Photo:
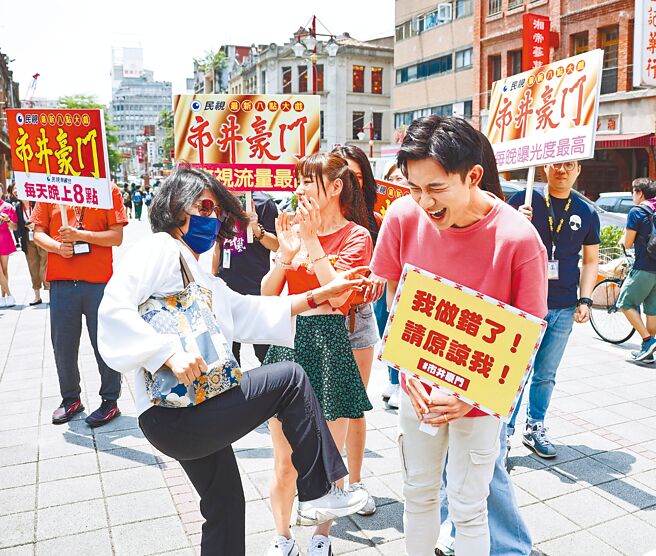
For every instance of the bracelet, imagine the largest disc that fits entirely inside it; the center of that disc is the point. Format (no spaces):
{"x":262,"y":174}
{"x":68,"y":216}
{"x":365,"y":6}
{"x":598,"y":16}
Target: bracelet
{"x":310,"y":299}
{"x":314,"y":261}
{"x":584,"y":301}
{"x":262,"y":231}
{"x":281,"y":264}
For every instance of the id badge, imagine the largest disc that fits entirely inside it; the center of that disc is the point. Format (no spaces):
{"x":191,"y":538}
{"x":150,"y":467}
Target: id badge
{"x":30,"y":235}
{"x":552,"y":270}
{"x":226,"y":258}
{"x":81,"y":248}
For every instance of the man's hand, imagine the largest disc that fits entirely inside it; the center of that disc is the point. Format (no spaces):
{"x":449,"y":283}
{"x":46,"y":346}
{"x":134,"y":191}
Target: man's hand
{"x":526,"y":210}
{"x":71,"y":235}
{"x":65,"y":250}
{"x":582,"y":313}
{"x":186,"y":367}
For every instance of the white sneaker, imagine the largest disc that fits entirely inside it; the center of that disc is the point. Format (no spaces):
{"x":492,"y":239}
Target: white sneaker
{"x":389,"y":390}
{"x":3,"y":303}
{"x":320,"y":546}
{"x":370,"y":506}
{"x":394,"y":400}
{"x":10,"y":301}
{"x":282,"y":546}
{"x":336,"y":503}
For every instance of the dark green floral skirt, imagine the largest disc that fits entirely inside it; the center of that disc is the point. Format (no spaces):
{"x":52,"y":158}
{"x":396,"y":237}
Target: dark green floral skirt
{"x":323,"y":349}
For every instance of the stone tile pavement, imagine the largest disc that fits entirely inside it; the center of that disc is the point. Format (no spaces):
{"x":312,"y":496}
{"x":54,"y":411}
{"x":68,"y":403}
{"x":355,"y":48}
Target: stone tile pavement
{"x":106,"y":491}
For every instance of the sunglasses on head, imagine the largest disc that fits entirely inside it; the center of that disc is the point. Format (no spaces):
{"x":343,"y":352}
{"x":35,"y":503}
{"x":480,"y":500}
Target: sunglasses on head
{"x":206,"y":207}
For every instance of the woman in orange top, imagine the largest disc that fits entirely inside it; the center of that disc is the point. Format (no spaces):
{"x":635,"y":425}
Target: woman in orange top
{"x":325,"y":237}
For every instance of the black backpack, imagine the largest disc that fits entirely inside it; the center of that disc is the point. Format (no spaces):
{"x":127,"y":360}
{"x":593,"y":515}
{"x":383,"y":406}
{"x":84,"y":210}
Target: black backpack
{"x":650,"y":240}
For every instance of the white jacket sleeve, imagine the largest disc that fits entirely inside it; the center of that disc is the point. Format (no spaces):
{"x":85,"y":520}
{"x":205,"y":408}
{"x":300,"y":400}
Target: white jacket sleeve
{"x":260,"y":319}
{"x":126,"y":342}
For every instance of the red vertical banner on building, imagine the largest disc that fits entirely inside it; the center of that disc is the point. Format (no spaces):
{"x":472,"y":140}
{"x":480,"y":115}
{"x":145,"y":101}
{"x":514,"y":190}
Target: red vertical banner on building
{"x":535,"y":41}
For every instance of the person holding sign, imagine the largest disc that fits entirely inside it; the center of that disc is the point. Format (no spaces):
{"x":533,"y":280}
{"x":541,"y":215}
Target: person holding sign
{"x":450,"y":227}
{"x":566,"y":225}
{"x":79,"y":267}
{"x":329,"y":237}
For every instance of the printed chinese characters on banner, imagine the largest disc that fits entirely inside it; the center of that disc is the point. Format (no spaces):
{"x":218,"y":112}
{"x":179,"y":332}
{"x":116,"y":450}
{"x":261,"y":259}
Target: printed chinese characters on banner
{"x":547,"y":114}
{"x":249,"y":142}
{"x":535,"y":41}
{"x":386,"y":194}
{"x":644,"y":44}
{"x":461,"y":341}
{"x":60,"y":156}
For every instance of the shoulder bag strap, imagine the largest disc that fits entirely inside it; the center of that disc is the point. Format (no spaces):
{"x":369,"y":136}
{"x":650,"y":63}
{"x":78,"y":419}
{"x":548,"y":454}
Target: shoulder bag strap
{"x":187,"y":276}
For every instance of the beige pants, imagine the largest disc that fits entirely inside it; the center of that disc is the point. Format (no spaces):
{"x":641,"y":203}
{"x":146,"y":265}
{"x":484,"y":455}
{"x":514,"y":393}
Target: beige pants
{"x":473,"y":446}
{"x":37,"y":262}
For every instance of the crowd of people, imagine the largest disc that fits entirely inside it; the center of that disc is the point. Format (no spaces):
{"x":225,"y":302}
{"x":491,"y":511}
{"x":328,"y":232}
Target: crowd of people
{"x":312,"y":292}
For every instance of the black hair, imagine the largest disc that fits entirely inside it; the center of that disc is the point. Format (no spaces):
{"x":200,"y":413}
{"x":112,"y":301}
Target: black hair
{"x":645,"y":186}
{"x":490,"y":181}
{"x":451,"y":142}
{"x":180,"y":190}
{"x":369,"y":188}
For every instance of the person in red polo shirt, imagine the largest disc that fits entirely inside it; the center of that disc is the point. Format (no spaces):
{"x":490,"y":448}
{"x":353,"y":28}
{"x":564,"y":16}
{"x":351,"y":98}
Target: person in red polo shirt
{"x":79,"y":267}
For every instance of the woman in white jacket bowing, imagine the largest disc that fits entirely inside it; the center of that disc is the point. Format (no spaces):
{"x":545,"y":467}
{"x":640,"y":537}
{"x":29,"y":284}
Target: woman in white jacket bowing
{"x":190,"y":210}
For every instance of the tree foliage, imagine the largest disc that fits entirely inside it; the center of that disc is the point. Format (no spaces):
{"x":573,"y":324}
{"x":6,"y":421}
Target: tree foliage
{"x":166,"y":123}
{"x":212,"y":60}
{"x":111,"y":131}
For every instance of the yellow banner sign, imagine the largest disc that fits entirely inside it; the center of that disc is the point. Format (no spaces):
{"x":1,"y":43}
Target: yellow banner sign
{"x":461,"y":341}
{"x":250,"y":142}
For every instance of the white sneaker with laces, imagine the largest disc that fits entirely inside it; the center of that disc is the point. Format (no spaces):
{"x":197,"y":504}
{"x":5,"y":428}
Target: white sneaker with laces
{"x":10,"y":301}
{"x":389,"y":390}
{"x":370,"y":506}
{"x":394,"y":400}
{"x":320,"y":546}
{"x":336,"y":503}
{"x":3,"y":302}
{"x":282,"y":546}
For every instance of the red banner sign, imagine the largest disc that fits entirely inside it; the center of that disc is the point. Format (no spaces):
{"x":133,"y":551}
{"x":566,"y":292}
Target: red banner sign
{"x":387,"y":193}
{"x":536,"y":44}
{"x":60,"y":156}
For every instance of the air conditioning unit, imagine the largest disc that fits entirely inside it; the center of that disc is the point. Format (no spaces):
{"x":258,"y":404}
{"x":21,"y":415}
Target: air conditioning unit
{"x":445,"y":12}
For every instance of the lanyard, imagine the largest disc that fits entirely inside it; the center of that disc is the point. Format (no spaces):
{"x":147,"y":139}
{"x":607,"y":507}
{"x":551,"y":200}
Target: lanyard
{"x":79,"y":217}
{"x":551,"y":217}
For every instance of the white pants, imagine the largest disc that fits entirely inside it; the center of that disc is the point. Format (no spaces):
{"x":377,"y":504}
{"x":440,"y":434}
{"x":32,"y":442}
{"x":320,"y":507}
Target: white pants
{"x":473,"y":446}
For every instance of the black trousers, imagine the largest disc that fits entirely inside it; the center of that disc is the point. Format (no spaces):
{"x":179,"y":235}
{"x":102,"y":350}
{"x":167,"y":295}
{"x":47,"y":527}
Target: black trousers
{"x":260,"y":351}
{"x":200,"y":439}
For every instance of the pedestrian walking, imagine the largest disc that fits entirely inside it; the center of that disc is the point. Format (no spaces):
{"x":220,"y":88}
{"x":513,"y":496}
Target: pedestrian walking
{"x":449,"y":226}
{"x":567,"y":225}
{"x":191,"y":208}
{"x":79,"y":267}
{"x":361,"y":322}
{"x":8,"y":224}
{"x":326,"y":236}
{"x":37,"y":258}
{"x":639,"y":288}
{"x":242,"y":265}
{"x":127,"y":200}
{"x":137,"y":201}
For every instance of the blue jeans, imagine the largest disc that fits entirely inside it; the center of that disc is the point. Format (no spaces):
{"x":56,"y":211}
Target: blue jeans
{"x":547,"y":360}
{"x":381,"y":312}
{"x":509,"y":535}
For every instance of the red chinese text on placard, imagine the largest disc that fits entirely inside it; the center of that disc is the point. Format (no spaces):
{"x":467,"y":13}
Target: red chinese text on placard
{"x":535,"y":35}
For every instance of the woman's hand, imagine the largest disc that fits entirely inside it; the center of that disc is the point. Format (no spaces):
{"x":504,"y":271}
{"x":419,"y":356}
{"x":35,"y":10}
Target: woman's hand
{"x":375,"y":291}
{"x":309,"y":217}
{"x":434,"y":409}
{"x":186,"y":367}
{"x":290,"y":243}
{"x":349,"y":280}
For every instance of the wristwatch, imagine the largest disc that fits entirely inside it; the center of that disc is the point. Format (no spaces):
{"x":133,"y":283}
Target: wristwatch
{"x":584,"y":301}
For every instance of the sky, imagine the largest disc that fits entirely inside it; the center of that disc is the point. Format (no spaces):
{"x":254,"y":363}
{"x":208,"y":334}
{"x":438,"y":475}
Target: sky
{"x":69,"y":42}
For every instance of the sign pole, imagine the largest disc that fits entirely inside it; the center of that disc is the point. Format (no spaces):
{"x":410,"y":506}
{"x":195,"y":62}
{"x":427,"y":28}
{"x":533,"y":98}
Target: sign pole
{"x":249,"y":207}
{"x":64,"y":215}
{"x":529,"y":185}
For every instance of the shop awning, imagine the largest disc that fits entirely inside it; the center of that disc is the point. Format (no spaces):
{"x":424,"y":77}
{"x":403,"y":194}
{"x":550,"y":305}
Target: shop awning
{"x":624,"y":141}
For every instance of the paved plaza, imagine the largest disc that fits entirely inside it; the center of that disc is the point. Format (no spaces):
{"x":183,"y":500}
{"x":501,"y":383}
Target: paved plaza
{"x":70,"y":489}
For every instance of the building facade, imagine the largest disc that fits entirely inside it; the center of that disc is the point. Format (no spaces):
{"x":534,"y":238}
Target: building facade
{"x":433,"y":60}
{"x":627,"y":116}
{"x":217,"y":80}
{"x":355,"y":86}
{"x":9,"y":98}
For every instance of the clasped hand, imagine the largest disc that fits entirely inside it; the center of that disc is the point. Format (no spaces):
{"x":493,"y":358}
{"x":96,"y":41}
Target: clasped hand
{"x":435,"y":409}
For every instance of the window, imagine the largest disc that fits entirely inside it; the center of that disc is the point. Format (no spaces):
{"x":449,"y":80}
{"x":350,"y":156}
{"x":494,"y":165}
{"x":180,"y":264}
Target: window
{"x":429,"y":68}
{"x":579,"y":43}
{"x":515,"y":3}
{"x":302,"y":79}
{"x":358,"y":79}
{"x":358,"y":125}
{"x":514,"y":62}
{"x":443,"y":110}
{"x":464,"y":58}
{"x":263,"y":83}
{"x":319,"y":77}
{"x":378,"y":125}
{"x":287,"y":80}
{"x":494,"y":69}
{"x":463,"y":8}
{"x":609,"y":40}
{"x":493,"y":7}
{"x":468,"y":109}
{"x":321,"y":124}
{"x":377,"y":81}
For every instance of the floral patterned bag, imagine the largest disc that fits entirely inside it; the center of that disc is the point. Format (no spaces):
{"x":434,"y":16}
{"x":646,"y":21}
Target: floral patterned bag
{"x":189,"y":315}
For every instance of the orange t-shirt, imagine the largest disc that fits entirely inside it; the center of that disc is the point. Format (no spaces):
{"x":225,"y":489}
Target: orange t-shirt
{"x":95,"y":266}
{"x":348,"y":247}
